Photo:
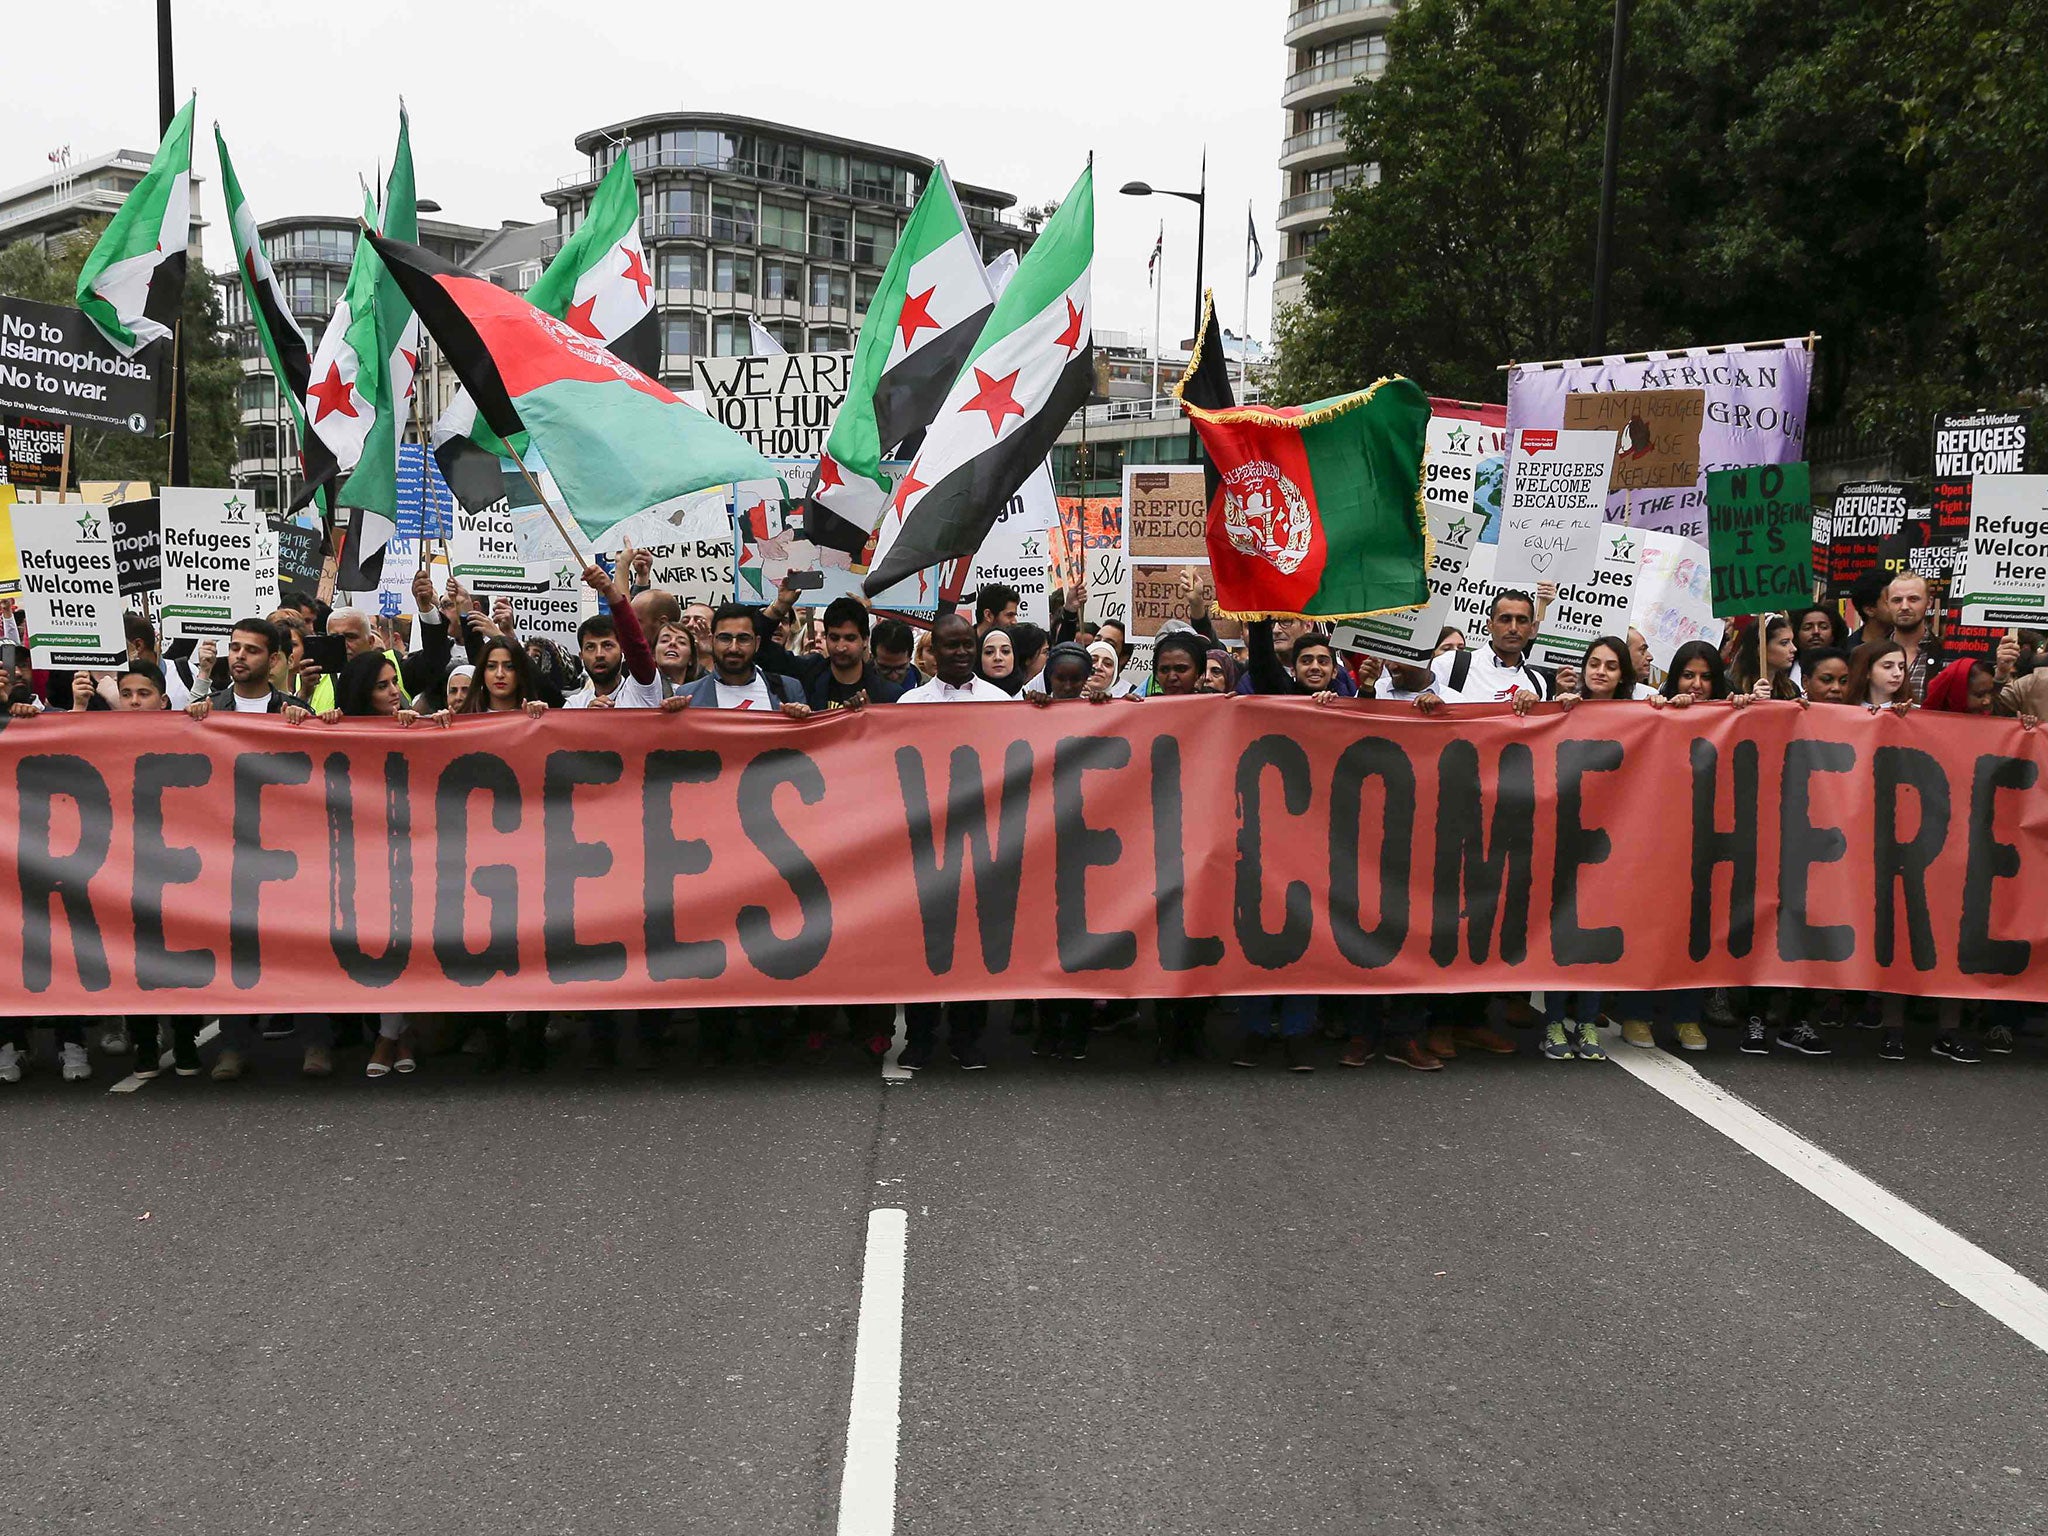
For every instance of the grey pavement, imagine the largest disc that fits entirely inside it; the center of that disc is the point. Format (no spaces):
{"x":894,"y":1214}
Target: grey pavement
{"x":1512,"y":1296}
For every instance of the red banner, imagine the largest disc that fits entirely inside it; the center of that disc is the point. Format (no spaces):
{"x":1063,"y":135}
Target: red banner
{"x":1178,"y":847}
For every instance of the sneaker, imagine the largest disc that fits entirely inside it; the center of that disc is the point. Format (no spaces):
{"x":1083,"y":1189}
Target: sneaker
{"x":1637,"y":1032}
{"x":319,"y":1062}
{"x":1691,"y":1037}
{"x":1589,"y":1042}
{"x":1893,"y":1046}
{"x":1410,"y":1053}
{"x":1804,"y":1039}
{"x":1998,"y":1039}
{"x":1557,"y":1044}
{"x":1251,"y":1051}
{"x":968,"y":1058}
{"x":10,"y":1063}
{"x":184,"y":1056}
{"x":914,"y":1058}
{"x":77,"y":1065}
{"x":1954,"y":1047}
{"x":1756,"y":1040}
{"x":227,"y":1066}
{"x":1291,"y":1053}
{"x":1358,"y":1052}
{"x":115,"y":1041}
{"x":1720,"y":1008}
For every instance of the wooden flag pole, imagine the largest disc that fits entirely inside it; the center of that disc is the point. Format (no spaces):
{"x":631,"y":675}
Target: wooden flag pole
{"x":527,"y":475}
{"x":64,"y":464}
{"x":171,"y":454}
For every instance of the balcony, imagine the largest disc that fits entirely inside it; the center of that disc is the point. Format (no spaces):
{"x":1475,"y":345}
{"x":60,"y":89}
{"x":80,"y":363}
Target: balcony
{"x":1293,"y":267}
{"x":1305,"y":206}
{"x":1327,"y":82}
{"x":1322,"y":20}
{"x":1313,"y":146}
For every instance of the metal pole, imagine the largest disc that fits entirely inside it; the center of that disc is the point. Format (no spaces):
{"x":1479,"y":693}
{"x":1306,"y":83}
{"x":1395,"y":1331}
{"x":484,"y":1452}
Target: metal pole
{"x":166,"y":93}
{"x":1603,"y":246}
{"x":179,"y":470}
{"x":1201,"y":245}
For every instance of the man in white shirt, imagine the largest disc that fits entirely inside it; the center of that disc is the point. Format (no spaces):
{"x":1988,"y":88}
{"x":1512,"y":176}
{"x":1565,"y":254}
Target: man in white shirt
{"x":618,"y":666}
{"x":1499,"y":672}
{"x":735,"y":681}
{"x":955,"y":649}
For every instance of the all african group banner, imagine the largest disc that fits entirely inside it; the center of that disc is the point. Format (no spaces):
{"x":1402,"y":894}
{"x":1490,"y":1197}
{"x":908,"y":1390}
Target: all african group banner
{"x":1186,"y":847}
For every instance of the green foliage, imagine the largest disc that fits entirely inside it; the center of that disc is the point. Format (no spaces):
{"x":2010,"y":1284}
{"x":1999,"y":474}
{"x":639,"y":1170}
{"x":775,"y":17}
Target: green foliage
{"x":1873,"y":170}
{"x":212,"y":381}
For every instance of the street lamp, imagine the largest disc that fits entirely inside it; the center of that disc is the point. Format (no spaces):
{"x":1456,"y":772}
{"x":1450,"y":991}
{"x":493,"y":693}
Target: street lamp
{"x":1201,"y":201}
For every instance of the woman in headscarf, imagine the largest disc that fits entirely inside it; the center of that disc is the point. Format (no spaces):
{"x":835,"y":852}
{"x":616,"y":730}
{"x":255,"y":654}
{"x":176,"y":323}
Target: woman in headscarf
{"x":1221,"y":674}
{"x":998,"y":663}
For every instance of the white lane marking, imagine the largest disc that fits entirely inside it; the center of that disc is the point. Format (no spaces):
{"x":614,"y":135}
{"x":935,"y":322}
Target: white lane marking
{"x":131,"y":1082}
{"x":867,"y":1487}
{"x":891,"y":1073}
{"x":1952,"y":1259}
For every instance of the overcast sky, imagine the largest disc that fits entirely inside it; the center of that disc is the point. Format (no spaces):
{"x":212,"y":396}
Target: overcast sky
{"x":1010,"y":96}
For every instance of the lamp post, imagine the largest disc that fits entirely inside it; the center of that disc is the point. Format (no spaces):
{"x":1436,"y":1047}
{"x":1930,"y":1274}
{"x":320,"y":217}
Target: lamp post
{"x":1610,"y":164}
{"x":1200,"y":199}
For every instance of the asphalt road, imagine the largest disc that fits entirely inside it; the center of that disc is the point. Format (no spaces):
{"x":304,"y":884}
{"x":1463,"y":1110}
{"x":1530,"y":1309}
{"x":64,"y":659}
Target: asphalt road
{"x":1513,"y":1296}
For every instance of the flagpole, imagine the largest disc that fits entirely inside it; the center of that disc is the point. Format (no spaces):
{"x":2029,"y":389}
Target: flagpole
{"x":1244,"y":345}
{"x":546,"y":505}
{"x":1158,"y":295}
{"x":171,"y":475}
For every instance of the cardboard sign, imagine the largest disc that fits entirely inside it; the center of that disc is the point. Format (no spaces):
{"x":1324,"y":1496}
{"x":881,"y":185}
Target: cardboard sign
{"x":2004,"y":577}
{"x":1168,"y":510}
{"x":1553,"y":504}
{"x":1865,"y":514}
{"x":32,"y":453}
{"x":1760,"y":538}
{"x":1658,"y":432}
{"x":1596,"y":607}
{"x":219,"y":562}
{"x":782,"y":404}
{"x":1674,"y":600}
{"x":1965,"y":445}
{"x":70,"y":588}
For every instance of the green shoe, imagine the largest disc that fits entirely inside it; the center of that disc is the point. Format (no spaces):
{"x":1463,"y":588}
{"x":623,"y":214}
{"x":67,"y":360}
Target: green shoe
{"x":1589,"y":1042}
{"x":1557,"y":1043}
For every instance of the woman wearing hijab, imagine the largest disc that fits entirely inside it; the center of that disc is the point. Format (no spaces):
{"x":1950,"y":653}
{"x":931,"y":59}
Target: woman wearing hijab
{"x":1221,"y":673}
{"x":998,"y":662}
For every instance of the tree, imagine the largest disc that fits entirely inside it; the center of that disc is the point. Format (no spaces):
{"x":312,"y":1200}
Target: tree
{"x":212,"y":378}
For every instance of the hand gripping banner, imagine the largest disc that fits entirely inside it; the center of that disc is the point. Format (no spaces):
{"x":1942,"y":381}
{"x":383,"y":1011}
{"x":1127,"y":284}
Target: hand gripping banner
{"x":1179,"y":847}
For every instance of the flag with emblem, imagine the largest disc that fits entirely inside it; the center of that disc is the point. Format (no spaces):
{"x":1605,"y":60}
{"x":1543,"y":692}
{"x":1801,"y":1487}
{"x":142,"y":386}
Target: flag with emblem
{"x":1316,"y":511}
{"x":615,"y":440}
{"x":597,"y":284}
{"x":1031,"y":368}
{"x":284,"y":343}
{"x":132,"y":285}
{"x":927,"y":314}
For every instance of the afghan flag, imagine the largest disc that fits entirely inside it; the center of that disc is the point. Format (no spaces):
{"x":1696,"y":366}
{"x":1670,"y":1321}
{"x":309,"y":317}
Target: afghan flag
{"x":290,"y":355}
{"x":1318,"y":513}
{"x":132,"y":285}
{"x":615,"y":440}
{"x":1031,"y":368}
{"x":598,"y":284}
{"x":926,"y":316}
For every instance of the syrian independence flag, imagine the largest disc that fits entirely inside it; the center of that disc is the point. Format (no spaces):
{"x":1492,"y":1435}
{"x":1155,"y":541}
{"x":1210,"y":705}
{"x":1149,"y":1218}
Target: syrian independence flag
{"x":599,"y":285}
{"x":343,"y":377}
{"x":1031,"y":369}
{"x":132,"y":285}
{"x":1319,"y":512}
{"x":284,"y":343}
{"x":616,"y":441}
{"x":925,"y":318}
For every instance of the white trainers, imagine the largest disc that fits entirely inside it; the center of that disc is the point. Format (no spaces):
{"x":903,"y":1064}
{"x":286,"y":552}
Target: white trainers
{"x":10,"y":1063}
{"x":77,"y":1065}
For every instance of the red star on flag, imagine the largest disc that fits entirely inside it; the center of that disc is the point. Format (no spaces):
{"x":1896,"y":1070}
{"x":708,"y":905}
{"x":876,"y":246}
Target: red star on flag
{"x":636,"y":274}
{"x":331,"y":394}
{"x":916,"y":316}
{"x":578,"y":318}
{"x":1070,"y":338}
{"x":828,"y":473}
{"x":997,"y":399}
{"x":412,"y":359}
{"x":908,"y":487}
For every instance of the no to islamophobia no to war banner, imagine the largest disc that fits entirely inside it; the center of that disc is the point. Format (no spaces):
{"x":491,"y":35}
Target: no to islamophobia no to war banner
{"x":631,"y":858}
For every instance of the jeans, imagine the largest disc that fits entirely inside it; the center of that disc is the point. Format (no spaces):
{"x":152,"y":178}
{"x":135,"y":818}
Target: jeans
{"x":964,"y":1024}
{"x":1290,"y":1017}
{"x":1584,"y":1009}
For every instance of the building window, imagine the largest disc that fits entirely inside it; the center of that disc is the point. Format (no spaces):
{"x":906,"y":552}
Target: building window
{"x":781,"y":279}
{"x":782,"y":226}
{"x":828,"y":286}
{"x":831,"y":236}
{"x":878,"y":181}
{"x":679,"y":211}
{"x":529,"y":274}
{"x":731,"y":274}
{"x":257,"y":443}
{"x":730,"y":336}
{"x":829,"y":338}
{"x":257,"y":394}
{"x":874,"y":240}
{"x":788,"y":333}
{"x":777,"y":161}
{"x":682,"y":269}
{"x":864,"y":286}
{"x":732,"y":219}
{"x":824,"y":170}
{"x":683,"y":335}
{"x":336,"y":245}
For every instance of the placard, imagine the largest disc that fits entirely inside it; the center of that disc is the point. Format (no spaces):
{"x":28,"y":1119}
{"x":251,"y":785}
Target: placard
{"x":2004,"y":576}
{"x":783,"y":404}
{"x":31,"y":453}
{"x":300,"y":557}
{"x":1657,"y":432}
{"x":1760,"y":538}
{"x":1017,"y":551}
{"x":1168,"y":513}
{"x":219,"y":562}
{"x":55,"y":364}
{"x":1552,"y":507}
{"x":138,"y":544}
{"x":70,"y":592}
{"x":1965,"y":445}
{"x":694,"y":562}
{"x":549,"y":598}
{"x":1674,"y":596}
{"x":770,"y":545}
{"x":1865,"y":514}
{"x":1596,"y":606}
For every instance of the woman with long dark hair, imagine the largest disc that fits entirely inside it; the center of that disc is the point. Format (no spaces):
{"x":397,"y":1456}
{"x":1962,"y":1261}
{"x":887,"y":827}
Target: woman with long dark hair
{"x":505,"y":681}
{"x":1877,"y":677}
{"x":1766,"y":659}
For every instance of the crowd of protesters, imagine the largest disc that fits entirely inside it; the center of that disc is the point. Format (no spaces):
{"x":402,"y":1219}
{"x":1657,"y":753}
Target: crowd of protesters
{"x":647,"y":650}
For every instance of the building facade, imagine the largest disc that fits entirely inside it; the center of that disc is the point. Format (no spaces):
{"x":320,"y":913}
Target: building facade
{"x":745,"y":219}
{"x":75,"y":194}
{"x":1332,"y":46}
{"x":311,"y":255}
